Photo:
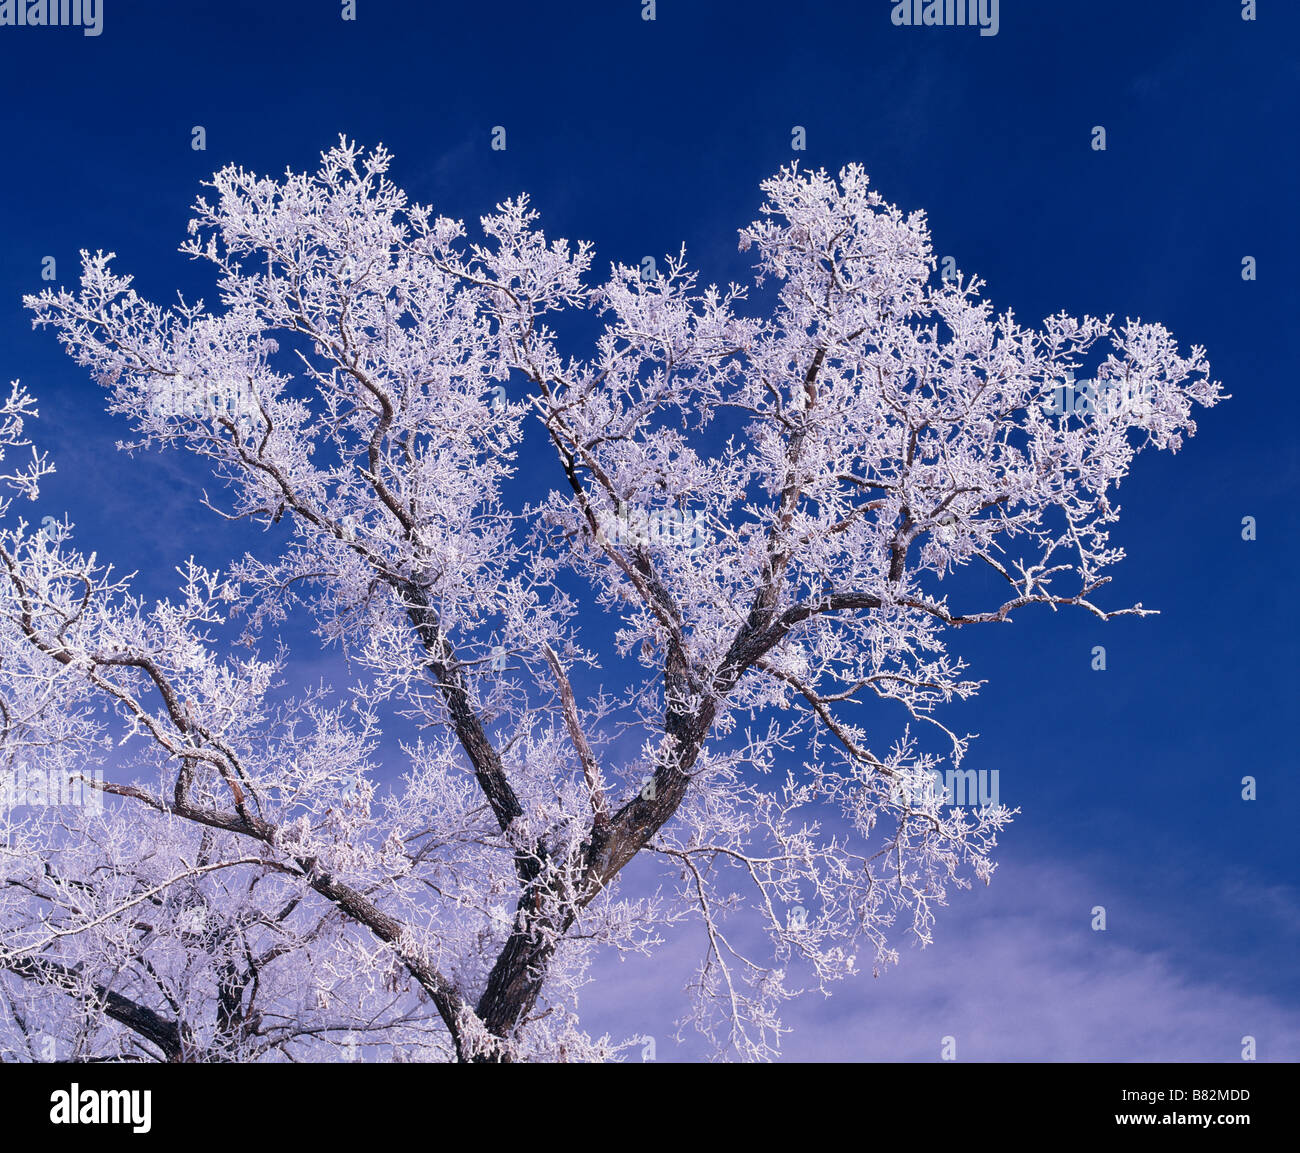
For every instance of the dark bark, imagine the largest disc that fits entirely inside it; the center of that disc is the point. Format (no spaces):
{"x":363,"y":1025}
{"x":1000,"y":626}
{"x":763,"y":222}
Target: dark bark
{"x":167,"y":1035}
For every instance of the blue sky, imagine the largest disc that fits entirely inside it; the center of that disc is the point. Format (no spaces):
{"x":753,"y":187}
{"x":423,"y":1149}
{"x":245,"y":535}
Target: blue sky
{"x":643,"y":135}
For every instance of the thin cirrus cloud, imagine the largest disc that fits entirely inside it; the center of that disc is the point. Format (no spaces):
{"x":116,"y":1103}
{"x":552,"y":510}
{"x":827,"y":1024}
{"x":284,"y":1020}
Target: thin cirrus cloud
{"x":1015,"y":973}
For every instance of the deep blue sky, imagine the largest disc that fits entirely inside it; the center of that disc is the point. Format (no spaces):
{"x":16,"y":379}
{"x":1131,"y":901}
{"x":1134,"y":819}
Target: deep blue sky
{"x":640,"y":136}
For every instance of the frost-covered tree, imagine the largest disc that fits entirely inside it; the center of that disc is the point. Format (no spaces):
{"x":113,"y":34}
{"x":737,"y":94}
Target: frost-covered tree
{"x":649,"y":600}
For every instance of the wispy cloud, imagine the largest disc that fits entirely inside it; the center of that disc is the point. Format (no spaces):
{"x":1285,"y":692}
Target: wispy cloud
{"x":1015,"y":973}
